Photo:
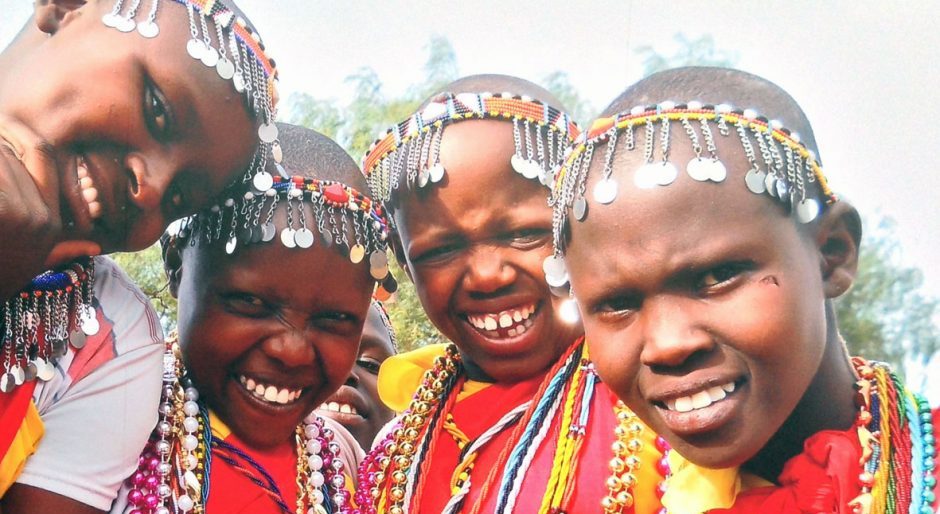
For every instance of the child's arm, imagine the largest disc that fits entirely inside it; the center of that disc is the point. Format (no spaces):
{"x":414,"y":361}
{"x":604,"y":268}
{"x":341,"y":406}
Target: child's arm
{"x":31,"y":235}
{"x":23,"y":498}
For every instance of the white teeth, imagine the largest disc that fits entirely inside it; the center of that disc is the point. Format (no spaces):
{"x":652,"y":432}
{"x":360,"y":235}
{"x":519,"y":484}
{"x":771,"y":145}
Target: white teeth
{"x":522,"y":328}
{"x":282,"y":396}
{"x":505,"y":320}
{"x":513,"y":320}
{"x":511,"y":332}
{"x":490,"y":323}
{"x":250,"y":384}
{"x":700,"y":399}
{"x":517,"y":316}
{"x":270,"y":394}
{"x":86,"y":181}
{"x":259,"y":390}
{"x":716,"y":393}
{"x":345,"y":409}
{"x":683,"y":404}
{"x":89,"y":192}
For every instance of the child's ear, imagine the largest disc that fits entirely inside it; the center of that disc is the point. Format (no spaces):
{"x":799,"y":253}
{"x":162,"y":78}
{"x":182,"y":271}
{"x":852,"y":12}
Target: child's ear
{"x":399,"y":253}
{"x":50,"y":13}
{"x":838,"y":237}
{"x":173,"y":267}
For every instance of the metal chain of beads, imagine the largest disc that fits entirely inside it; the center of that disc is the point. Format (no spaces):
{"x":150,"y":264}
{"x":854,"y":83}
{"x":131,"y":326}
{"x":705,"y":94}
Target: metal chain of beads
{"x":382,"y":485}
{"x":59,"y":304}
{"x":625,"y":461}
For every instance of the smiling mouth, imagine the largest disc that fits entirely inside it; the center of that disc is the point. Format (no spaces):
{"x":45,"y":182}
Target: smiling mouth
{"x":700,"y":399}
{"x":504,"y":324}
{"x":88,"y":190}
{"x":337,"y":407}
{"x":269,"y":393}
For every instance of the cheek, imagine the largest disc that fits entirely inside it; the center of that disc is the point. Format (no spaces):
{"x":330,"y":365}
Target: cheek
{"x":615,"y":359}
{"x":337,"y":357}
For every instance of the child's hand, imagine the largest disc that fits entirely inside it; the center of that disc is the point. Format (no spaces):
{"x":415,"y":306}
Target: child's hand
{"x":31,"y":236}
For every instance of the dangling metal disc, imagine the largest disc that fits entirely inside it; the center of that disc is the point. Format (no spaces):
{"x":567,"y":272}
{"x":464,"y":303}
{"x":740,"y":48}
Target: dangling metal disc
{"x":262,"y":181}
{"x":195,"y":48}
{"x":327,"y":238}
{"x":556,"y":273}
{"x":605,"y":191}
{"x":210,"y":57}
{"x":45,"y":370}
{"x":231,"y":244}
{"x":754,"y":179}
{"x":437,"y":172}
{"x":698,"y":169}
{"x":148,"y":29}
{"x":770,"y":184}
{"x":89,"y":321}
{"x":580,"y":209}
{"x":357,"y":253}
{"x":303,"y":238}
{"x":7,"y":382}
{"x":666,"y":174}
{"x":267,"y":132}
{"x":268,"y":231}
{"x":110,"y":20}
{"x":646,"y":176}
{"x":78,"y":339}
{"x":378,"y":265}
{"x":807,"y":210}
{"x":287,"y":238}
{"x":225,"y":68}
{"x":31,"y":370}
{"x":19,"y":376}
{"x":126,"y":24}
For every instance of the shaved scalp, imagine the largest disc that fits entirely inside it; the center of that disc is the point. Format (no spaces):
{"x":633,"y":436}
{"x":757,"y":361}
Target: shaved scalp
{"x":718,"y":85}
{"x":493,"y":83}
{"x":309,"y":153}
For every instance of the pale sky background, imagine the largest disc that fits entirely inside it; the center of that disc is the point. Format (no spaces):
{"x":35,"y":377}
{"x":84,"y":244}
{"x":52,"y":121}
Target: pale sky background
{"x":865,"y":72}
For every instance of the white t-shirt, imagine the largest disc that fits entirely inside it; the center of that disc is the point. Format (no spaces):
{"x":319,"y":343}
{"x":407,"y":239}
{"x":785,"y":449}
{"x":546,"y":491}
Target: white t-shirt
{"x":101,"y":405}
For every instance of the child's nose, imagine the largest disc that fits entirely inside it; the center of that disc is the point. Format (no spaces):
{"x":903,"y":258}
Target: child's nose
{"x":671,"y":333}
{"x":148,"y":180}
{"x":291,"y":347}
{"x":487,"y":271}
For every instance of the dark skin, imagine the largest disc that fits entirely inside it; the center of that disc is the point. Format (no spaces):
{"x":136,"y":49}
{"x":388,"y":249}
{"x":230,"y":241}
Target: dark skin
{"x":156,"y":133}
{"x":468,"y":258}
{"x":706,"y":285}
{"x":361,"y":388}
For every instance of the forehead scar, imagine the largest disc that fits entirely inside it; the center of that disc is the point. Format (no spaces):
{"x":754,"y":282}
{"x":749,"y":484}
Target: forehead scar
{"x":770,"y":280}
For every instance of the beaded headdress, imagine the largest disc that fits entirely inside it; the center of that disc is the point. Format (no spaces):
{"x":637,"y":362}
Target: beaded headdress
{"x":781,"y":167}
{"x":237,"y":55}
{"x":340,"y":213}
{"x":412,"y":147}
{"x":39,"y":322}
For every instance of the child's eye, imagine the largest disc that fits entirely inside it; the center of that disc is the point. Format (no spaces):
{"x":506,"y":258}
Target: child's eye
{"x":619,"y":305}
{"x":156,"y":112}
{"x":721,"y":275}
{"x":245,"y":304}
{"x":370,"y":365}
{"x":528,"y":238}
{"x":436,"y":255}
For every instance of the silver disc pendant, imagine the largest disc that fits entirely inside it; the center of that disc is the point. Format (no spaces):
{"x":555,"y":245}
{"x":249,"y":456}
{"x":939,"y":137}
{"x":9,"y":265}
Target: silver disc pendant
{"x":754,"y":179}
{"x":580,"y":209}
{"x":518,"y":163}
{"x":770,"y":184}
{"x":437,"y":172}
{"x":267,"y":132}
{"x":7,"y":382}
{"x":239,"y":82}
{"x":605,"y":191}
{"x":357,"y":253}
{"x":807,"y":210}
{"x":718,"y":171}
{"x":287,"y":238}
{"x":698,"y":169}
{"x":126,"y":24}
{"x":148,"y":29}
{"x":256,"y":234}
{"x":645,"y":176}
{"x":225,"y":69}
{"x":19,"y":376}
{"x":783,"y":190}
{"x":303,"y":238}
{"x":423,"y":177}
{"x":89,"y":321}
{"x":262,"y":181}
{"x":110,"y":20}
{"x":195,"y":48}
{"x":59,"y":348}
{"x":210,"y":57}
{"x":45,"y":370}
{"x":327,"y":238}
{"x":268,"y":232}
{"x":230,"y":245}
{"x":556,"y":273}
{"x":278,"y":155}
{"x":532,"y":170}
{"x":666,"y":174}
{"x":78,"y":339}
{"x":378,"y":265}
{"x":31,"y":370}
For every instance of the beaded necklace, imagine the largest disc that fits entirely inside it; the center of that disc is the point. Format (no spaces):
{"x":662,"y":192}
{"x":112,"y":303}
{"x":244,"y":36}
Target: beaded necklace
{"x":174,"y":469}
{"x":37,"y":325}
{"x":390,"y":474}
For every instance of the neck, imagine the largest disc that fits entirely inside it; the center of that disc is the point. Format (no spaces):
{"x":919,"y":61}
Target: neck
{"x":828,"y":404}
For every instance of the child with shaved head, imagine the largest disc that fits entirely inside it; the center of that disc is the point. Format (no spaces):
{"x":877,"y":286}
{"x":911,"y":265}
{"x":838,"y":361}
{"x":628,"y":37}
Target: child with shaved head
{"x":705,"y":247}
{"x":273,"y":293}
{"x":509,"y":417}
{"x":115,"y":118}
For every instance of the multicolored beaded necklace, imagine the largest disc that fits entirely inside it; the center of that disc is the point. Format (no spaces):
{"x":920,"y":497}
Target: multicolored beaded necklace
{"x":390,"y":475}
{"x":38,"y":323}
{"x":173,"y":472}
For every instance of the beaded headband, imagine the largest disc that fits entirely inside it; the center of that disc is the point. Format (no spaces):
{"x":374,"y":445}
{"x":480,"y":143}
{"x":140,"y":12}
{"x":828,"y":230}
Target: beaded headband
{"x":337,"y":208}
{"x":36,"y":323}
{"x":412,"y":148}
{"x":784,"y":171}
{"x":239,"y":56}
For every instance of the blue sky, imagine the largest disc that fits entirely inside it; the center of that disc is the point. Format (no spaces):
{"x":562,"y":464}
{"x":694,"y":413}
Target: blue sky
{"x":865,"y":72}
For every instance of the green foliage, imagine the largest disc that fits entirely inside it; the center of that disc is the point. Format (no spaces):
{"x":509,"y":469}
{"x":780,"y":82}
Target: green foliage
{"x":559,"y":84}
{"x":146,"y":269}
{"x":691,"y":52}
{"x":884,"y":316}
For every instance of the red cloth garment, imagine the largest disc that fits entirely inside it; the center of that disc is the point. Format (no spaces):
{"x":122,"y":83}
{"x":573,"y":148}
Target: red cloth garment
{"x":230,"y":491}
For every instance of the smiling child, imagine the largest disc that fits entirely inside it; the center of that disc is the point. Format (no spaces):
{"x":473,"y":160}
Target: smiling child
{"x":273,"y":292}
{"x":705,"y":249}
{"x":115,"y":117}
{"x":509,"y":416}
